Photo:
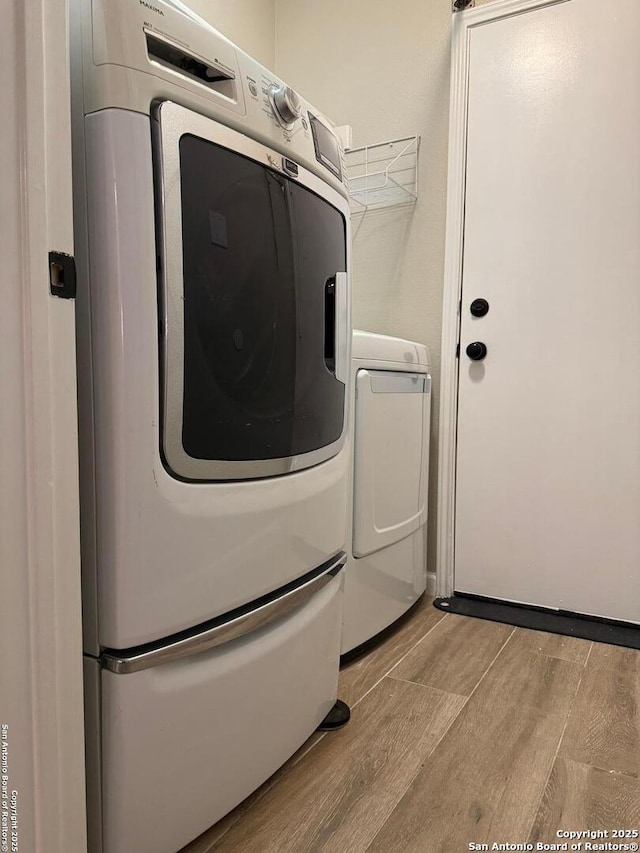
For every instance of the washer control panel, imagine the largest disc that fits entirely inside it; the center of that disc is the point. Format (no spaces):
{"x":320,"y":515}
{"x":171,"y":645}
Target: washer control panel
{"x":307,"y":135}
{"x":172,"y":54}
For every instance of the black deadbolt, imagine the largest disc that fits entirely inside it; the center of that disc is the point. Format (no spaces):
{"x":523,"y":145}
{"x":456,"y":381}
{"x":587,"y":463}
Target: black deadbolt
{"x":479,"y":307}
{"x":476,"y":351}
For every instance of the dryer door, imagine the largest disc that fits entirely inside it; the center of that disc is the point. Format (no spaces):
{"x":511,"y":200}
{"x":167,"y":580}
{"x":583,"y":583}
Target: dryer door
{"x":255,"y":297}
{"x":391,"y":457}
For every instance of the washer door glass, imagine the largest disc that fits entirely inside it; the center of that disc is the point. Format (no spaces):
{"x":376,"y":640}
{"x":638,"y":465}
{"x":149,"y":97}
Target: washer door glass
{"x":259,"y":254}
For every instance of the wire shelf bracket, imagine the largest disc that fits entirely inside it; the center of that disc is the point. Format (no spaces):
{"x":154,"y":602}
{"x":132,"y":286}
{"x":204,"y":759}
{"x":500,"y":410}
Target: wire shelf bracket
{"x":383,"y":175}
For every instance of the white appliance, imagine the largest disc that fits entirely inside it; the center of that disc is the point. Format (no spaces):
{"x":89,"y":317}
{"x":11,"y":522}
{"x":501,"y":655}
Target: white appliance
{"x":387,"y":565}
{"x":212,"y":234}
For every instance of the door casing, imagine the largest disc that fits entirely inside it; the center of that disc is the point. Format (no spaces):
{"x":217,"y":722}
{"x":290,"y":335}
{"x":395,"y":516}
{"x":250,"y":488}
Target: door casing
{"x":40,"y":613}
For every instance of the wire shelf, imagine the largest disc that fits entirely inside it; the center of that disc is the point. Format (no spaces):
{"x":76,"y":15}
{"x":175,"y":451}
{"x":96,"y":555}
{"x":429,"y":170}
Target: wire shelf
{"x":383,"y":175}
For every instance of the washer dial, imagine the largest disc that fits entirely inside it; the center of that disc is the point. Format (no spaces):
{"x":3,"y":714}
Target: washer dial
{"x":286,"y":105}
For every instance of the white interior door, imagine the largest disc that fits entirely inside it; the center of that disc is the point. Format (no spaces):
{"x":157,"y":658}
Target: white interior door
{"x":548,"y":457}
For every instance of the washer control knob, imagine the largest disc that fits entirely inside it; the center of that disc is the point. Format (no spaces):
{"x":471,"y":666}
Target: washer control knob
{"x":286,"y":104}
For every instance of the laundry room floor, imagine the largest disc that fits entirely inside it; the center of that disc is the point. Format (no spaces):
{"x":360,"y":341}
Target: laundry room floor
{"x":462,"y":731}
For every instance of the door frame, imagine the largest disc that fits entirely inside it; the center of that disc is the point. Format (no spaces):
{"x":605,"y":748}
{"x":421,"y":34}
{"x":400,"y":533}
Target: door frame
{"x":40,"y":614}
{"x":462,"y":24}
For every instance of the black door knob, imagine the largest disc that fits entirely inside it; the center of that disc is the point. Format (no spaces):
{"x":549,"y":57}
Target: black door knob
{"x":479,"y":307}
{"x":476,"y":351}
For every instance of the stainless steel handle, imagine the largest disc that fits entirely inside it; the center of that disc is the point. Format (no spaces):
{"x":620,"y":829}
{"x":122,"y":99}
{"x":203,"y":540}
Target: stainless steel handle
{"x":343,"y":328}
{"x":233,"y":629}
{"x":399,"y":382}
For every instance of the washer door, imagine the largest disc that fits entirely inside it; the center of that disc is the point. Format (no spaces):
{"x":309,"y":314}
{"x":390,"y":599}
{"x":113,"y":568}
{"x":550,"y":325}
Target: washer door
{"x":391,"y":457}
{"x":255,"y":295}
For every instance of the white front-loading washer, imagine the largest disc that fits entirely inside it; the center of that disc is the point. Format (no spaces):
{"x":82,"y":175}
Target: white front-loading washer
{"x":212,"y":241}
{"x":386,"y":570}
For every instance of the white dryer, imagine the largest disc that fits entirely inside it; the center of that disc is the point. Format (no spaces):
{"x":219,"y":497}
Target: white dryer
{"x":212,"y":242}
{"x":387,"y":567}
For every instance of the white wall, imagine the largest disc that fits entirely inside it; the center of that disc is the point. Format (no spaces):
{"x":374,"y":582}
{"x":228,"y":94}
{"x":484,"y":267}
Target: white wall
{"x":384,"y":69}
{"x":248,"y":23}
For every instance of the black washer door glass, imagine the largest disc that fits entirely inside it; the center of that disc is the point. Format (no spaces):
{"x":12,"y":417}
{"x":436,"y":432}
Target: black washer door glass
{"x":319,"y":247}
{"x":257,"y":252}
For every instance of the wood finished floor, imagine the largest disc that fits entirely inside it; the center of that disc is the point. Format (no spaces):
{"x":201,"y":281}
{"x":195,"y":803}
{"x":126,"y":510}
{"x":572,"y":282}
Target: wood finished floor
{"x":462,"y":731}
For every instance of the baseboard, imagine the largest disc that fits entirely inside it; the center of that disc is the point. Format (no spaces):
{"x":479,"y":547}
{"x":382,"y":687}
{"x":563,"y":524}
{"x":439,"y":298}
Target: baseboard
{"x":431,"y":583}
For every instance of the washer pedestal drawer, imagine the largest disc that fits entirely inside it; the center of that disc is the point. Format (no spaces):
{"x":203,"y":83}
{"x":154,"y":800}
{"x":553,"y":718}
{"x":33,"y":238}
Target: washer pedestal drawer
{"x":184,"y":742}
